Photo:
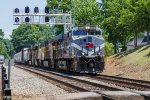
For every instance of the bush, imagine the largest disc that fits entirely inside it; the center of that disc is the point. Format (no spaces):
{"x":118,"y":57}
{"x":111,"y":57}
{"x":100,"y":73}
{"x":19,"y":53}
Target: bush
{"x":109,"y":49}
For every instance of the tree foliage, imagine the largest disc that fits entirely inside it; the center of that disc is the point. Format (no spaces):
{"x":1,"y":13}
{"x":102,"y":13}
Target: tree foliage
{"x":28,"y":35}
{"x":87,"y":12}
{"x":9,"y":46}
{"x":64,"y":5}
{"x":123,"y":19}
{"x":3,"y":48}
{"x":1,"y":34}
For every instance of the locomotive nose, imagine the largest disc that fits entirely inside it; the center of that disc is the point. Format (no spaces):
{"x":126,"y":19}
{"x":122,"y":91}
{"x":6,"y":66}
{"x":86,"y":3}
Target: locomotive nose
{"x":90,"y":45}
{"x":88,"y":42}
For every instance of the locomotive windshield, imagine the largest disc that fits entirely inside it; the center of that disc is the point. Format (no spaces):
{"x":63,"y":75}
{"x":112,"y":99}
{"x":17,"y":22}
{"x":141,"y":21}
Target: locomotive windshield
{"x":86,"y":32}
{"x":93,"y":32}
{"x":80,"y":32}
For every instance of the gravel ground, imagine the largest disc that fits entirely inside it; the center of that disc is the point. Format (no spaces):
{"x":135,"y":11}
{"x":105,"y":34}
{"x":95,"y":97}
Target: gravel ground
{"x":27,"y":85}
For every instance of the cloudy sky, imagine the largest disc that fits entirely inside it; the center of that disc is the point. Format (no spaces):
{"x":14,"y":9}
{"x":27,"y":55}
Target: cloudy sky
{"x":6,"y":12}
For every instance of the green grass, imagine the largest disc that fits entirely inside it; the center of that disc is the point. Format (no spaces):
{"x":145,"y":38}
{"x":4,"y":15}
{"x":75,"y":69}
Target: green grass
{"x":139,"y":57}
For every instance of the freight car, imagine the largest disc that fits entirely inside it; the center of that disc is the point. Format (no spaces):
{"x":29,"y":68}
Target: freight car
{"x":2,"y":58}
{"x":80,"y":50}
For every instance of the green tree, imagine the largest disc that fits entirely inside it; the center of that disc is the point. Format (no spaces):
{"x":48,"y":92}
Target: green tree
{"x":9,"y":47}
{"x":142,"y":16}
{"x":87,"y":12}
{"x":122,"y":19}
{"x":64,"y":5}
{"x":28,"y":35}
{"x":113,"y":11}
{"x":1,"y":34}
{"x":3,"y":49}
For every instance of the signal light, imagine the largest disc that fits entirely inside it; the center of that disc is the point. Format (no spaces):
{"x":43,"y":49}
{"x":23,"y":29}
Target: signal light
{"x":16,"y":19}
{"x":36,"y":10}
{"x":16,"y":10}
{"x":27,"y":19}
{"x":47,"y":9}
{"x":27,"y":9}
{"x":46,"y":19}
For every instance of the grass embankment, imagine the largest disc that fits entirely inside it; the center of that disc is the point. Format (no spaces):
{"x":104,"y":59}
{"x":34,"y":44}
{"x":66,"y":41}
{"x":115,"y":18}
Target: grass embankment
{"x":133,"y":64}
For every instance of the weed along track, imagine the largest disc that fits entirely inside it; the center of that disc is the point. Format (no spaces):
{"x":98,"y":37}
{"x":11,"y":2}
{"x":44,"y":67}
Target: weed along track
{"x":74,"y":85}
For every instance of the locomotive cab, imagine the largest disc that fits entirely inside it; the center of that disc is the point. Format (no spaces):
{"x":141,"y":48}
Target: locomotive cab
{"x":90,"y":49}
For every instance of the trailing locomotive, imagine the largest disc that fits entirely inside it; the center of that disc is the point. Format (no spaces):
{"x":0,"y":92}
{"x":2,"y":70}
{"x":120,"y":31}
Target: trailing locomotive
{"x":80,"y":50}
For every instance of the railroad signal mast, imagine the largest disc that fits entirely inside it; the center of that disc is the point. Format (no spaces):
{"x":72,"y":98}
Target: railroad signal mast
{"x":46,"y":16}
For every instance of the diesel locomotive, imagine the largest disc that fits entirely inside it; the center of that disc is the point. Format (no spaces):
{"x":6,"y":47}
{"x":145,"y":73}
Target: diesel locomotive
{"x":80,"y":50}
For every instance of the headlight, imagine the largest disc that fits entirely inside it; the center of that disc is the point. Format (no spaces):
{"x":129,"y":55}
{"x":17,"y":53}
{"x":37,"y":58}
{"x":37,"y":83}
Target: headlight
{"x":83,"y":53}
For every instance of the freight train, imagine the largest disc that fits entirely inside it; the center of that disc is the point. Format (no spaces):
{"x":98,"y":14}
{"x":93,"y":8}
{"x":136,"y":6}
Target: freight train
{"x":80,"y":50}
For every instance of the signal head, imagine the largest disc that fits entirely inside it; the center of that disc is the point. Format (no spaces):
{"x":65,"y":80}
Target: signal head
{"x":46,"y":19}
{"x":47,"y":9}
{"x":36,"y":10}
{"x":17,"y":19}
{"x":27,"y":9}
{"x":16,"y":10}
{"x":27,"y":19}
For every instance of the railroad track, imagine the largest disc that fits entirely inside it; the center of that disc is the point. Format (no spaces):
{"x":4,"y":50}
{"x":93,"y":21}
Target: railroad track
{"x":76,"y":85}
{"x":127,"y":83}
{"x":132,"y":85}
{"x":84,"y":85}
{"x":124,"y":82}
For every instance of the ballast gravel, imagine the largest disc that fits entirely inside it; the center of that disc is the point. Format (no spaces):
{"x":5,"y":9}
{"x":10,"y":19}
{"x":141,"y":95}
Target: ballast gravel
{"x":27,"y":85}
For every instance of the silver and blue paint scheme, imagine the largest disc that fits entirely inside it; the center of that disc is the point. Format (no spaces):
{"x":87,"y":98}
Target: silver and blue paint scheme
{"x":81,"y":50}
{"x":88,"y":45}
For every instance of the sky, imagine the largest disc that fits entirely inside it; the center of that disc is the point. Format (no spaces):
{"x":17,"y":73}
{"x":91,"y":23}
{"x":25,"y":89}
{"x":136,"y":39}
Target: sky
{"x":98,"y":0}
{"x":6,"y":12}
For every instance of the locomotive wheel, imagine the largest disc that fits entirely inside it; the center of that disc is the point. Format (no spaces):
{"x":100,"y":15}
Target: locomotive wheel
{"x":42,"y":63}
{"x":49,"y":63}
{"x":68,"y":65}
{"x":38,"y":62}
{"x":74,"y":65}
{"x":56,"y":64}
